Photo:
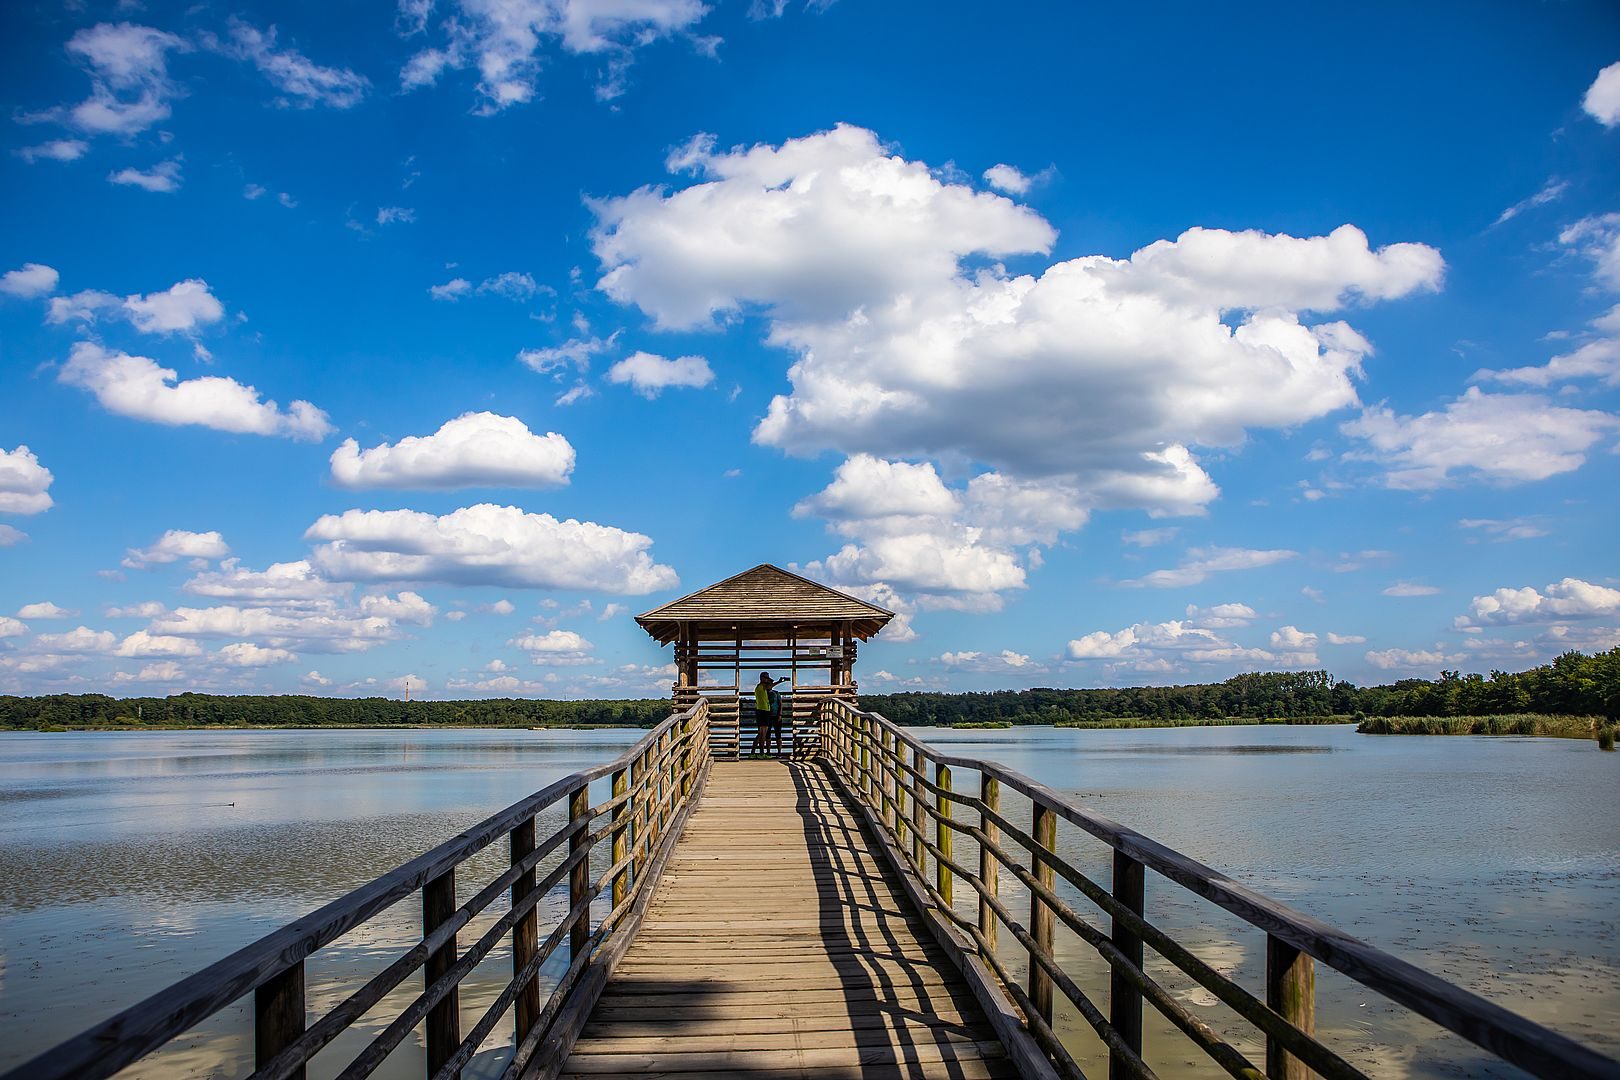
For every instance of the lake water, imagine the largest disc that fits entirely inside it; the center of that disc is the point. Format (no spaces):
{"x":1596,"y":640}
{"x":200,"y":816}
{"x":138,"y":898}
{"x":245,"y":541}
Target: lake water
{"x":129,"y":860}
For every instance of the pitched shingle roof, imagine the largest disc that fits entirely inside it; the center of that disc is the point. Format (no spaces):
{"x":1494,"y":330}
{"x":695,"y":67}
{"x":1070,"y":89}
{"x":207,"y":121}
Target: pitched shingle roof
{"x":766,"y":594}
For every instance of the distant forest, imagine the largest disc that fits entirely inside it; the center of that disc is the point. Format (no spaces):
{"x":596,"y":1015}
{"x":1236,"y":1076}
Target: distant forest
{"x":1572,"y":685}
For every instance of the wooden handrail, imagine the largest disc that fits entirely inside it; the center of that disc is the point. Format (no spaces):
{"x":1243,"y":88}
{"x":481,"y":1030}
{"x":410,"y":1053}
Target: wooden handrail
{"x":868,"y":754}
{"x":654,"y":785}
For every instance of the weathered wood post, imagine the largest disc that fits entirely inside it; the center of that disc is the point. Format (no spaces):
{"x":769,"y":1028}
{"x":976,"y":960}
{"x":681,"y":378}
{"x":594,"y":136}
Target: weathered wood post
{"x":621,"y":831}
{"x":1291,"y":991}
{"x":1125,"y":1000}
{"x":444,"y":1019}
{"x":863,"y":735}
{"x":942,"y":832}
{"x":919,"y":816}
{"x":638,"y":815}
{"x":278,"y":1016}
{"x":579,"y":877}
{"x":989,"y":866}
{"x":1040,"y":916}
{"x":887,"y":775}
{"x":525,"y":932}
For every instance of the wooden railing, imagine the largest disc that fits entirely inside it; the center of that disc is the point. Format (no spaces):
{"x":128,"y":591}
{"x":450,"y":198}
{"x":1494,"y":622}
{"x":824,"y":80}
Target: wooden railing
{"x":652,"y":788}
{"x":908,"y":793}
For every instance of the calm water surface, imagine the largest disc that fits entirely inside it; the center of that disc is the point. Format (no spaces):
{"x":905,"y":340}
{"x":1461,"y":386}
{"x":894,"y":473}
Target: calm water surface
{"x":129,"y":860}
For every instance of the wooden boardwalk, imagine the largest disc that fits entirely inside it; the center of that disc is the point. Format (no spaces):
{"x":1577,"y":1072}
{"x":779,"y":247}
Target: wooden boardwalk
{"x":777,"y":945}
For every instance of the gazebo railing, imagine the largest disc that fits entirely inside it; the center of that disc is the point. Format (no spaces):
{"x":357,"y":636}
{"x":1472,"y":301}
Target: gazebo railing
{"x":906,"y":791}
{"x":653,"y":787}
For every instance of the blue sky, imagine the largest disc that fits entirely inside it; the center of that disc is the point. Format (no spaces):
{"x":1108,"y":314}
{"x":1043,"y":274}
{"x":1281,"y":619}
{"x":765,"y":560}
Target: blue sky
{"x":347,"y":344}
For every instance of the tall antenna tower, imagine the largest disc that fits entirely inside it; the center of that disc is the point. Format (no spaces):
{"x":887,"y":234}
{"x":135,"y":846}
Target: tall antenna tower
{"x":407,"y":688}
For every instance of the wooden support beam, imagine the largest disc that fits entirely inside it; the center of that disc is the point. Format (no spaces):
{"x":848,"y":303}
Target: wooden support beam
{"x":525,"y":933}
{"x":443,"y":1028}
{"x":1290,"y":991}
{"x":1040,"y":916}
{"x":1124,"y":999}
{"x":278,"y":1016}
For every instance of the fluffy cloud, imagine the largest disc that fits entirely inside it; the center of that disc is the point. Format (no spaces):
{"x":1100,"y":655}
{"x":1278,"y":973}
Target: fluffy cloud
{"x":142,"y":645}
{"x":163,"y":177}
{"x":1004,"y":661}
{"x":1504,"y":529}
{"x":504,"y":39}
{"x":1221,"y":616}
{"x":10,"y":627}
{"x":407,"y":607}
{"x":1503,"y":438}
{"x":1570,"y":598}
{"x":556,"y":647}
{"x":1101,"y":372}
{"x":1199,"y":563}
{"x":280,"y":583}
{"x":870,"y":488}
{"x":247,"y":654}
{"x":1598,"y":358}
{"x":1292,"y":639}
{"x":29,"y":281}
{"x":575,"y":353}
{"x":510,"y":285}
{"x":301,"y":82}
{"x":147,"y":609}
{"x":182,"y":308}
{"x":78,"y":640}
{"x":1008,"y":178}
{"x":1598,"y":239}
{"x":1412,"y":659}
{"x":651,"y":374}
{"x":138,"y":387}
{"x":10,"y":536}
{"x":322,"y":629}
{"x":177,"y":544}
{"x":55,"y":150}
{"x":1602,"y":100}
{"x":23,"y":483}
{"x":485,"y":545}
{"x":1143,"y":638}
{"x":478,"y":449}
{"x":948,"y":548}
{"x":130,"y":89}
{"x":44,"y":610}
{"x":1345,"y":639}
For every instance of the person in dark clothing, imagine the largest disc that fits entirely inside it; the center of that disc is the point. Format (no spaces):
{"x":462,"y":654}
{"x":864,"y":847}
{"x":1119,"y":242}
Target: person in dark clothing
{"x":767,"y":714}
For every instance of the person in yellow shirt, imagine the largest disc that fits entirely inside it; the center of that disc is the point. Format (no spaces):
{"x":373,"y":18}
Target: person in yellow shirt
{"x":767,"y":714}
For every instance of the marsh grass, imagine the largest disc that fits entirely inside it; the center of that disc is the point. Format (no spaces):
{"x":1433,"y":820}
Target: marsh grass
{"x":1229,"y":721}
{"x":1539,"y":724}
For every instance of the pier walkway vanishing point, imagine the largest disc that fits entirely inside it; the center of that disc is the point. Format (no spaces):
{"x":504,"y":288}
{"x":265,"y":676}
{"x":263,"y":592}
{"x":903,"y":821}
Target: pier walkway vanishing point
{"x":874,"y":908}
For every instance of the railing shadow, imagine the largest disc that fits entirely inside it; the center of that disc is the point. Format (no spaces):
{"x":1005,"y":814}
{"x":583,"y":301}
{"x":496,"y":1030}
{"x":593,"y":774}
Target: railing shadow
{"x":877,"y":946}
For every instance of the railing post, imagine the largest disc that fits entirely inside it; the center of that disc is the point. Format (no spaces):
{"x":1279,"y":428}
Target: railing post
{"x":888,"y":775}
{"x":621,"y":828}
{"x":919,"y":817}
{"x":638,"y":814}
{"x":579,"y":878}
{"x":1040,"y":916}
{"x":942,"y":833}
{"x":686,"y":757}
{"x":989,"y":865}
{"x":278,"y":1016}
{"x":525,"y":933}
{"x":1125,"y":1000}
{"x":444,"y":1019}
{"x":1290,"y":991}
{"x":864,"y":737}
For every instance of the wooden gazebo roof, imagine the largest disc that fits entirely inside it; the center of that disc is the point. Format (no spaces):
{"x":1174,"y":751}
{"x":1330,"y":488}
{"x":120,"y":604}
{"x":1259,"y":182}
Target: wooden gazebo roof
{"x":762,"y":598}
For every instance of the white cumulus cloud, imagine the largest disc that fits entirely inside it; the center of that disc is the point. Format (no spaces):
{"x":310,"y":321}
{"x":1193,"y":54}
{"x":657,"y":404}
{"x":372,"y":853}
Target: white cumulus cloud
{"x":1571,"y":598}
{"x":1602,"y":100}
{"x":555,"y":647}
{"x":177,"y":544}
{"x":485,"y":545}
{"x":1502,"y":438}
{"x":650,"y":374}
{"x":44,"y":610}
{"x":138,"y":387}
{"x":29,"y":281}
{"x":24,"y":483}
{"x":164,"y":177}
{"x":480,"y":449}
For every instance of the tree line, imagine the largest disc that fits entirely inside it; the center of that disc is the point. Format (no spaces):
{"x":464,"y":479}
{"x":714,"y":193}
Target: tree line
{"x":1572,"y":685}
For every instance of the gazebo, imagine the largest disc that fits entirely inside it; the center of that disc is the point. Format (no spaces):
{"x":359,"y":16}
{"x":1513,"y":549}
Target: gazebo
{"x":764,"y":619}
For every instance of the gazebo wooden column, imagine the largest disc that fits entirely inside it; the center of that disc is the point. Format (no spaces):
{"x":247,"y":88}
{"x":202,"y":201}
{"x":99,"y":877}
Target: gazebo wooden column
{"x":763,"y":620}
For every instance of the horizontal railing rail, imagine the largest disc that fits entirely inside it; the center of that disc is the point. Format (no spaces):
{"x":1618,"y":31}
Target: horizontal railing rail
{"x":906,"y":789}
{"x":652,"y":787}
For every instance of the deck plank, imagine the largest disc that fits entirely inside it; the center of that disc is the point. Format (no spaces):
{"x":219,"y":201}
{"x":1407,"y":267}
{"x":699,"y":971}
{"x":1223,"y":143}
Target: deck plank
{"x":777,"y":945}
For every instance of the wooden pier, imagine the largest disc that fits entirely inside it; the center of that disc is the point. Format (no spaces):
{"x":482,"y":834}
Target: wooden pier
{"x":879,"y":909}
